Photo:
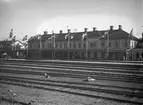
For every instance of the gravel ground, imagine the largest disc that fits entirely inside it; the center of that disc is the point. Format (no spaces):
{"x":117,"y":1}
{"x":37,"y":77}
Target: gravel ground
{"x":41,"y":97}
{"x":7,"y":103}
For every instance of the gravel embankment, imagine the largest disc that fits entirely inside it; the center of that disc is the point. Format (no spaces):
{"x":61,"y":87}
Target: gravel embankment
{"x":41,"y":97}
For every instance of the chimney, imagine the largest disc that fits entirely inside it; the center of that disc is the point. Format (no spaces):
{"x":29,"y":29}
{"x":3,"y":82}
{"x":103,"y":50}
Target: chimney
{"x":94,"y":29}
{"x":45,"y":32}
{"x":111,"y":28}
{"x":60,"y":31}
{"x":120,"y":27}
{"x":85,"y":29}
{"x":69,"y":30}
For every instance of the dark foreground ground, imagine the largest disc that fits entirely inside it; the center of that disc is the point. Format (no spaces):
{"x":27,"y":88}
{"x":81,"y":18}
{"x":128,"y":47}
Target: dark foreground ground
{"x":41,"y":97}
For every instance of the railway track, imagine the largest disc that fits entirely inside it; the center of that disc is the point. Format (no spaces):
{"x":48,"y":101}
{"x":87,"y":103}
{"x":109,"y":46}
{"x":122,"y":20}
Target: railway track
{"x":75,"y":74}
{"x":87,"y":64}
{"x":96,"y":68}
{"x":75,"y":71}
{"x":124,"y":94}
{"x":113,"y":72}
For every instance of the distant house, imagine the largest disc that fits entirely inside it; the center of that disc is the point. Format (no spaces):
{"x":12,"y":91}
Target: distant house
{"x":19,"y":48}
{"x":5,"y":47}
{"x":137,"y":52}
{"x":14,"y":49}
{"x":18,"y":45}
{"x":113,"y":44}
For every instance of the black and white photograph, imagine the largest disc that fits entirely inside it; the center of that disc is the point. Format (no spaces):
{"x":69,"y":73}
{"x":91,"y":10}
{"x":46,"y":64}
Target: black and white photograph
{"x":71,"y":52}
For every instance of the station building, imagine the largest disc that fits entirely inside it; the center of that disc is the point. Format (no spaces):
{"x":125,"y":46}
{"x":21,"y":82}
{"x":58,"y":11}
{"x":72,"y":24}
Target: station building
{"x":112,"y":44}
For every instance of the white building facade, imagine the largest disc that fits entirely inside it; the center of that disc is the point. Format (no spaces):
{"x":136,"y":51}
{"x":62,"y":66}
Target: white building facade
{"x":113,"y":44}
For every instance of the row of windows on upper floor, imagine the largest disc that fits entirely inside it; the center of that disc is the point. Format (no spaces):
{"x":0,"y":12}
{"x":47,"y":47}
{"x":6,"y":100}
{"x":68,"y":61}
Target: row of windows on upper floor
{"x":77,"y":45}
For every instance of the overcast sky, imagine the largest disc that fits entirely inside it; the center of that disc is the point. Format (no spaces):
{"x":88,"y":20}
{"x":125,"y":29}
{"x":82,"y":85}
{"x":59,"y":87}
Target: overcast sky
{"x":29,"y":17}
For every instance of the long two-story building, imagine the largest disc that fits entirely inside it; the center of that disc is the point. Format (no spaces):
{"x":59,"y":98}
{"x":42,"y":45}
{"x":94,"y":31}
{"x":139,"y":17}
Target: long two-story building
{"x":112,"y":44}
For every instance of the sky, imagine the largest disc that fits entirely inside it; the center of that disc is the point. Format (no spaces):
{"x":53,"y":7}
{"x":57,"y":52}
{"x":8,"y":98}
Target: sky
{"x":31,"y":17}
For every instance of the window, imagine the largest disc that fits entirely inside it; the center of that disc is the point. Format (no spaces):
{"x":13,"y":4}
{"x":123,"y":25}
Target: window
{"x":94,"y":44}
{"x":116,"y":44}
{"x":95,"y":54}
{"x":132,"y":44}
{"x":50,"y":46}
{"x":102,"y":55}
{"x":110,"y":54}
{"x":126,"y":44}
{"x":74,"y":45}
{"x":109,"y":44}
{"x":89,"y":54}
{"x":76,"y":54}
{"x":91,"y":45}
{"x":79,"y":45}
{"x":70,"y":45}
{"x":65,"y":45}
{"x":84,"y":45}
{"x":60,"y":45}
{"x":30,"y":45}
{"x":56,"y":45}
{"x":82,"y":54}
{"x":43,"y":45}
{"x":34,"y":45}
{"x":102,"y":44}
{"x":137,"y":55}
{"x":38,"y":45}
{"x":47,"y":45}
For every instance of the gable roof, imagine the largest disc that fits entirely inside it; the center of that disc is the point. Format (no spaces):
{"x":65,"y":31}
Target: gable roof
{"x":33,"y":38}
{"x":114,"y":34}
{"x":78,"y":35}
{"x":119,"y":34}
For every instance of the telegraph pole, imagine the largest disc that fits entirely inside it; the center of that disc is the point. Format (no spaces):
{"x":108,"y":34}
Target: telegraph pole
{"x":27,"y":50}
{"x":68,"y":38}
{"x":86,"y":47}
{"x":86,"y":43}
{"x":39,"y":37}
{"x":53,"y":41}
{"x":107,"y":44}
